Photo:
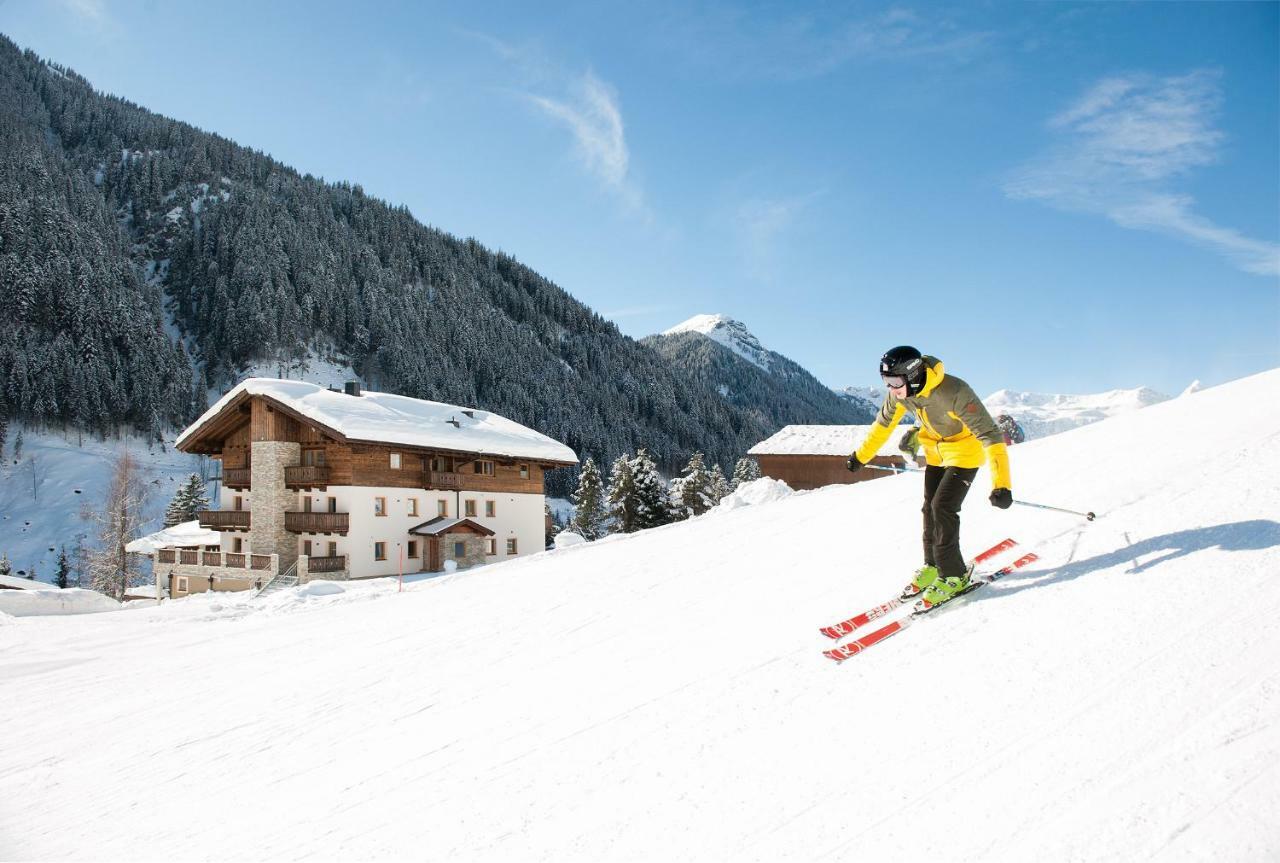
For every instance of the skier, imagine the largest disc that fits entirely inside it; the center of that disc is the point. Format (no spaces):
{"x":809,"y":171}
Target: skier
{"x":955,"y":429}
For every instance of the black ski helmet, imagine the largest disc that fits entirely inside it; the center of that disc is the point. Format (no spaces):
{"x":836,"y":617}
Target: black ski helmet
{"x":904,"y":362}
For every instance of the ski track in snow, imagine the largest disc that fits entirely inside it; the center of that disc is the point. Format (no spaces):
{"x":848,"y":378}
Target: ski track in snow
{"x":663,"y":696}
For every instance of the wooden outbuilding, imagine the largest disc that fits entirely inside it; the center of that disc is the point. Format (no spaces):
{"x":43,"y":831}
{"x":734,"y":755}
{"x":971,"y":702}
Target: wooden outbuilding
{"x":812,"y":456}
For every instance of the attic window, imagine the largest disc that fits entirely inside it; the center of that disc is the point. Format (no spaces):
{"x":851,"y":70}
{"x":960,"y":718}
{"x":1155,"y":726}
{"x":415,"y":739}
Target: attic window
{"x":395,"y":461}
{"x":484,"y":467}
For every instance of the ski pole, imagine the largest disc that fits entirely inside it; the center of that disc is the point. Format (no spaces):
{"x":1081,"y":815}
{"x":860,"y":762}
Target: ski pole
{"x":1089,"y":516}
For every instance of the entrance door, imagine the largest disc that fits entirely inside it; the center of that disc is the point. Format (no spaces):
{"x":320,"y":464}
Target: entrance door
{"x":433,"y":551}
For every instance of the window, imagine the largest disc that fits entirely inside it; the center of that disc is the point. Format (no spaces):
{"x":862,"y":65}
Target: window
{"x":239,"y":503}
{"x":182,"y":584}
{"x":484,"y":467}
{"x":413,"y":506}
{"x":379,"y":506}
{"x":306,"y":504}
{"x":313,"y":457}
{"x":237,"y":545}
{"x":333,"y":504}
{"x":395,"y":461}
{"x":306,"y":547}
{"x":511,"y":546}
{"x":442,"y":508}
{"x":490,"y":509}
{"x":459,"y":549}
{"x":379,"y":551}
{"x":333,"y":549}
{"x":442,"y":464}
{"x":413,"y":548}
{"x":524,"y":471}
{"x":493,"y":546}
{"x":471,"y":508}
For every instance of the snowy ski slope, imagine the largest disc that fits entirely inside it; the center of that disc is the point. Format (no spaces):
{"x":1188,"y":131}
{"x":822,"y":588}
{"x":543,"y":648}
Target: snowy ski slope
{"x":663,"y":696}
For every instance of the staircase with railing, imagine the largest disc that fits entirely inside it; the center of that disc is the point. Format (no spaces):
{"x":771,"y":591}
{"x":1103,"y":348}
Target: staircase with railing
{"x":282,"y":580}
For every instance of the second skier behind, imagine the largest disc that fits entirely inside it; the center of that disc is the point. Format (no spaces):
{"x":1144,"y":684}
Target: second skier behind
{"x":958,"y":436}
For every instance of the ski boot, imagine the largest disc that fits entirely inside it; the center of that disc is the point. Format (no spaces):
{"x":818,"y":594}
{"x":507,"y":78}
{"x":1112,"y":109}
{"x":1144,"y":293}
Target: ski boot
{"x":925,"y":576}
{"x":945,"y":589}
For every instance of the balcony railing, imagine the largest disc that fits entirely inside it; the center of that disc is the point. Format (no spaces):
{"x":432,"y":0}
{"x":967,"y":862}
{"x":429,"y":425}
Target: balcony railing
{"x":317,"y":522}
{"x":219,"y":559}
{"x":327,"y":564}
{"x":236,"y":477}
{"x":224,"y":519}
{"x":306,"y":475}
{"x":441,"y":479}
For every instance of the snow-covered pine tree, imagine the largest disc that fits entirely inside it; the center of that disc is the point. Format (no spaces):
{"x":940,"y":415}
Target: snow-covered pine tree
{"x":31,"y":573}
{"x":119,"y":521}
{"x":187,"y":501}
{"x":588,"y":502}
{"x":746,"y":470}
{"x":6,"y":568}
{"x":720,"y":488}
{"x":63,"y":576}
{"x":652,"y":508}
{"x":691,"y":493}
{"x":17,"y":447}
{"x":622,"y":495}
{"x":4,"y":428}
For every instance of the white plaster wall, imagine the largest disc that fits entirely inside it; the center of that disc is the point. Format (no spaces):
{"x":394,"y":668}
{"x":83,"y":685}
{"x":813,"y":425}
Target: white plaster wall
{"x":518,"y":515}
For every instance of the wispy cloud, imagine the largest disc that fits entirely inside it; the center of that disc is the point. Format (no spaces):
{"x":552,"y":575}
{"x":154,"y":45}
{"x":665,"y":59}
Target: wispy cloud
{"x":761,"y":224}
{"x":91,"y":11}
{"x":1121,"y":149}
{"x":591,"y":112}
{"x":742,"y":43}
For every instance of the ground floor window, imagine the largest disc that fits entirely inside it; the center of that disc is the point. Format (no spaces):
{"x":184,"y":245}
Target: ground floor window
{"x":490,"y":508}
{"x":511,"y":546}
{"x":493,"y":546}
{"x":459,"y":549}
{"x":379,"y":551}
{"x":413,"y":548}
{"x":182,"y":584}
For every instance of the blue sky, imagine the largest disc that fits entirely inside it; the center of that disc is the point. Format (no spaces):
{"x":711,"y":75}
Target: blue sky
{"x":1050,"y":197}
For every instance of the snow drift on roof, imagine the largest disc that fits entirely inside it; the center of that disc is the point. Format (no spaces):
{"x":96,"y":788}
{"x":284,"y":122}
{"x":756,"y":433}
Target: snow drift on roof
{"x":393,"y":419}
{"x":823,"y":440}
{"x":184,"y":535}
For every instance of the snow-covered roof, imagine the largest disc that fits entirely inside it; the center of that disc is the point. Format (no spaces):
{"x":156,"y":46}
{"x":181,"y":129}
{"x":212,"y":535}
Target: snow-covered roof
{"x":19,"y":583}
{"x":184,"y":535}
{"x":393,"y":419}
{"x":441,"y":525}
{"x":823,"y":440}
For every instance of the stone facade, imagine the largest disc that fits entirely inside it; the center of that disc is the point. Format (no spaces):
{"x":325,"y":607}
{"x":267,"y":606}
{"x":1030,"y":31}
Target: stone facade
{"x":475,"y":546}
{"x":270,"y":498}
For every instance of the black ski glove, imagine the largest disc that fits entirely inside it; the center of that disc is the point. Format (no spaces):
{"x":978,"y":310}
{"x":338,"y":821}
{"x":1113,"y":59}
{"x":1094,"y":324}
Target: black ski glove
{"x":1002,"y":498}
{"x":853,"y":464}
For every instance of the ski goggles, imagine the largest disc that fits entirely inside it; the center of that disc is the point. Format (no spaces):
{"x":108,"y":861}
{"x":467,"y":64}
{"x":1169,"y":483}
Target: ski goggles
{"x":894,"y":381}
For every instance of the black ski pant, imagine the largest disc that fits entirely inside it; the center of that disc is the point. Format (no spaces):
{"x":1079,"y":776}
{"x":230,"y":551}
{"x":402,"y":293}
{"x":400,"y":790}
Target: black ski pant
{"x":944,"y":491}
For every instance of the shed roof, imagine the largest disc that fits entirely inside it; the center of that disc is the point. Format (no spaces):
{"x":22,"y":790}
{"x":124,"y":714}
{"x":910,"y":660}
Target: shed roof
{"x":823,"y":440}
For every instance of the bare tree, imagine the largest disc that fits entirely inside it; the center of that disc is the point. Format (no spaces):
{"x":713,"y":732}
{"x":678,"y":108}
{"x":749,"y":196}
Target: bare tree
{"x":38,"y":471}
{"x":118,"y":521}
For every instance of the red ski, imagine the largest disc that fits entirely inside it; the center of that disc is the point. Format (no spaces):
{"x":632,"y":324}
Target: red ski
{"x":844,"y":627}
{"x":853,"y":648}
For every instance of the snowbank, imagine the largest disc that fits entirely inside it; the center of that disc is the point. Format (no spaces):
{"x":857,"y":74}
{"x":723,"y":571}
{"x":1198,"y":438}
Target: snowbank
{"x":73,"y":600}
{"x":763,"y":490}
{"x":568,"y":539}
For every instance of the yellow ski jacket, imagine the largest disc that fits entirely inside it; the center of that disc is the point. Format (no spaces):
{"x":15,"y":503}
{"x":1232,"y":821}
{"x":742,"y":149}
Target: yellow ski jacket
{"x":955,"y":428}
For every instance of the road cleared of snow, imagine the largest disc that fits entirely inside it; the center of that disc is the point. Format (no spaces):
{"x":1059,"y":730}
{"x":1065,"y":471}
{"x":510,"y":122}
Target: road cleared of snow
{"x":663,"y":696}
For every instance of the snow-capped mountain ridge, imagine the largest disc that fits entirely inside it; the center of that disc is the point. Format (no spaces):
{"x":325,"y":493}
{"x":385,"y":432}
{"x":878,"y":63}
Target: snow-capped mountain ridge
{"x":733,"y":334}
{"x":1042,"y":414}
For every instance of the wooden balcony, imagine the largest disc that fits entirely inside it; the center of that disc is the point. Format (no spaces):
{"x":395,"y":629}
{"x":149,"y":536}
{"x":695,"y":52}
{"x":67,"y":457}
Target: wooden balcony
{"x":224,"y":519}
{"x":236,"y":477}
{"x":327,"y":564}
{"x":441,"y":479}
{"x":306,"y":476}
{"x":317,"y":522}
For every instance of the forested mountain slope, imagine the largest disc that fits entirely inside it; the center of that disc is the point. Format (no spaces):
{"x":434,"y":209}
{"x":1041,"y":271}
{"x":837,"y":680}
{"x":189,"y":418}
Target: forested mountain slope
{"x":107,"y":211}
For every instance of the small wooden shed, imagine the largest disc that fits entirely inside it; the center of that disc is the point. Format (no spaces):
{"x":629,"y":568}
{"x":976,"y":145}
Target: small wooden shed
{"x":811,"y":456}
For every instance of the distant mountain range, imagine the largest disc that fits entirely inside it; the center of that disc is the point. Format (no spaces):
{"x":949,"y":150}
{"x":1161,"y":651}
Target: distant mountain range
{"x":1041,"y":415}
{"x":720,"y":353}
